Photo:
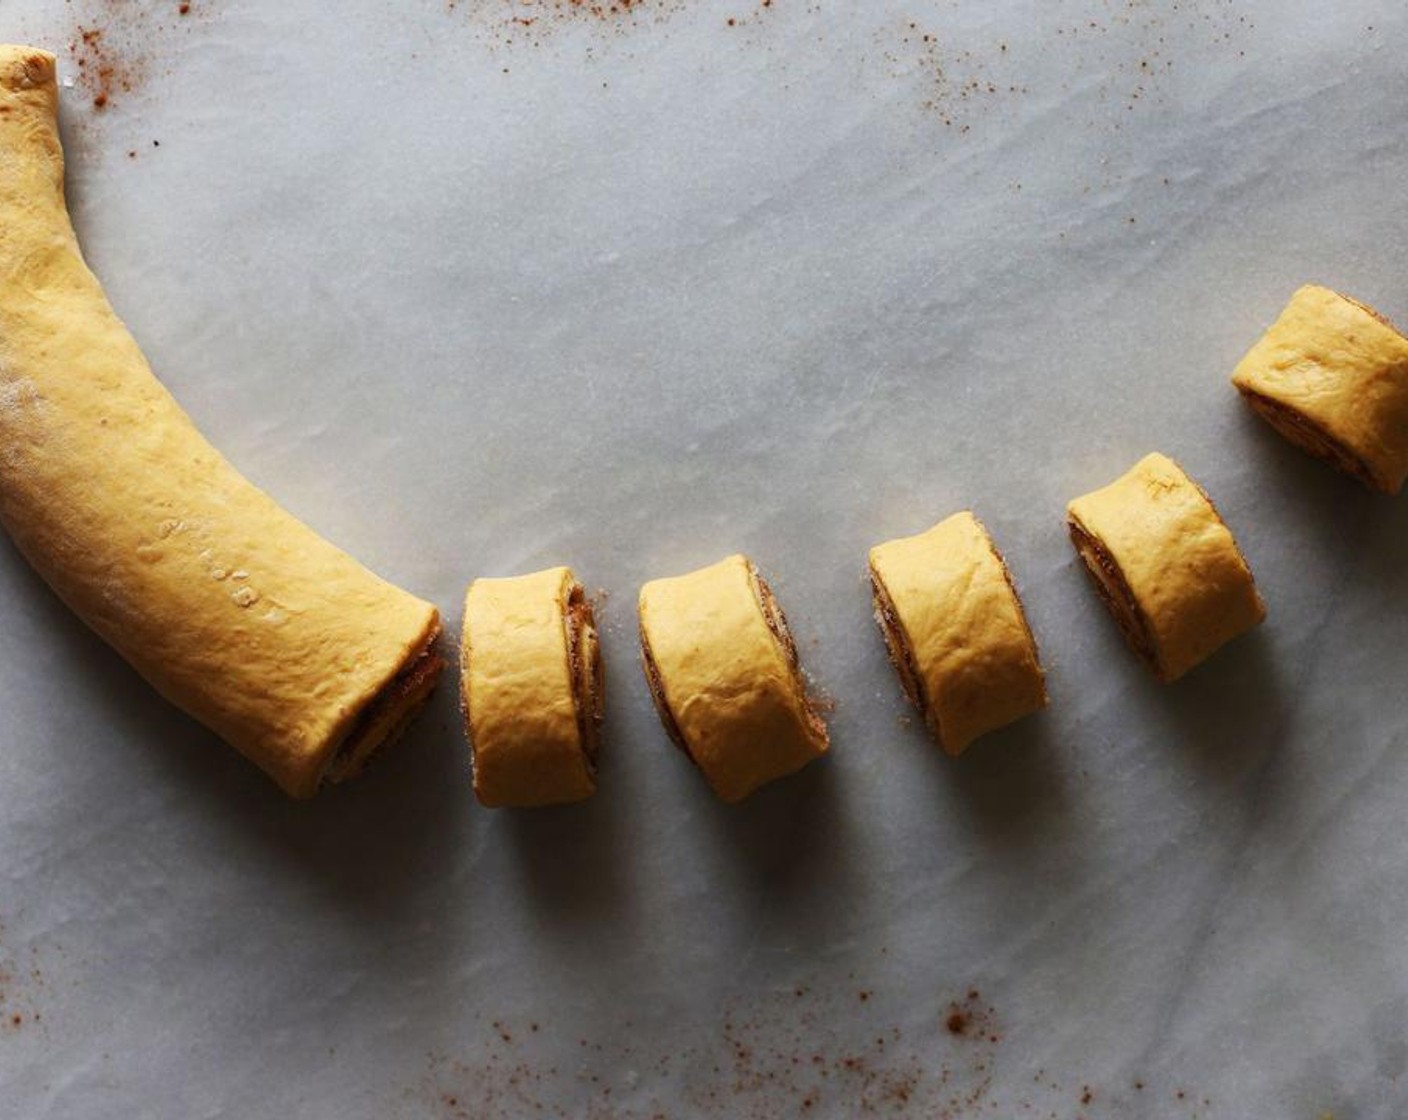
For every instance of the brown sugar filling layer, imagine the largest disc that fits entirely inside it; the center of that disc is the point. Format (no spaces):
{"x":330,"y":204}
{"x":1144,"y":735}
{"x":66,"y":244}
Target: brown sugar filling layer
{"x":1112,"y":588}
{"x":777,"y":624}
{"x":657,"y":696}
{"x":901,"y":656}
{"x":584,"y":665}
{"x":389,"y":712}
{"x":1300,"y":430}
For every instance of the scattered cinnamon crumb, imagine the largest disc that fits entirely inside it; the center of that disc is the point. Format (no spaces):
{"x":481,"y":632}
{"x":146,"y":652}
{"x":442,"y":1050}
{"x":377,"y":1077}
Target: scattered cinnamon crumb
{"x":117,"y":46}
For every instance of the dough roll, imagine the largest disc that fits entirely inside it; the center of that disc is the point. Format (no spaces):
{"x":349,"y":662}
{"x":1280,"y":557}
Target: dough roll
{"x":1165,"y":565}
{"x":723,"y":671}
{"x":532,"y":687}
{"x":1331,"y":375}
{"x":235,"y":611}
{"x":956,"y":632}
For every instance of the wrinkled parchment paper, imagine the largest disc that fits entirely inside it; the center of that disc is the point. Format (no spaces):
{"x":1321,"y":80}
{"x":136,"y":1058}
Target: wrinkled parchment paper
{"x":480,"y":287}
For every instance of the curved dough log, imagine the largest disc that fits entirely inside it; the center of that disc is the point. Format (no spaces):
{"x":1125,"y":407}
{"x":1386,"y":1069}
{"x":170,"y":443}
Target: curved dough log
{"x":532,"y":686}
{"x":956,"y":631}
{"x":234,"y":610}
{"x":722,"y":670}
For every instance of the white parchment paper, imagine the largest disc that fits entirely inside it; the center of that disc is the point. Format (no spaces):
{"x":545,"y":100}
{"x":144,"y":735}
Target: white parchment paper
{"x":484,"y":286}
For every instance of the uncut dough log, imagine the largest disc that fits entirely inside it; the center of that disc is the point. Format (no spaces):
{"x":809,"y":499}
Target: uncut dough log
{"x":1165,"y":565}
{"x":234,"y":610}
{"x":956,"y":632}
{"x":532,"y":686}
{"x":1331,"y":375}
{"x":723,"y":672}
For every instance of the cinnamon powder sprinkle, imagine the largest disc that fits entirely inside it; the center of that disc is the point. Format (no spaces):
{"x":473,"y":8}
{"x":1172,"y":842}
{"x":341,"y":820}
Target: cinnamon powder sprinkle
{"x":116,"y":45}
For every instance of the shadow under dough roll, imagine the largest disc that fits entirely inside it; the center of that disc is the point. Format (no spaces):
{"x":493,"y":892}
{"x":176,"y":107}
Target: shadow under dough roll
{"x":233,"y":609}
{"x":722,"y":669}
{"x":1331,"y":375}
{"x":956,"y":632}
{"x":532,"y":687}
{"x":1165,"y":565}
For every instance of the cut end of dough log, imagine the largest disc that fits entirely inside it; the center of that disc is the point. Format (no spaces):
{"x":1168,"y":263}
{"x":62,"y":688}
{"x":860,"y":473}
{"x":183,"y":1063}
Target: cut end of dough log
{"x":1299,"y":429}
{"x":777,"y":624}
{"x":1118,"y":597}
{"x":657,"y":696}
{"x":139,"y":525}
{"x":897,"y":646}
{"x":531,"y":681}
{"x":1330,"y":375}
{"x":1166,"y":565}
{"x":588,"y":679}
{"x":388,"y":714}
{"x":955,"y":631}
{"x":724,"y":676}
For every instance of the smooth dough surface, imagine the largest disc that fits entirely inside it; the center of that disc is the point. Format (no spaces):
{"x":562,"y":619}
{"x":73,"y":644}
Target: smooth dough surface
{"x":972,"y":662}
{"x":531,"y":689}
{"x":727,"y":679}
{"x":1332,"y":376}
{"x":1166,"y":564}
{"x":232,"y":608}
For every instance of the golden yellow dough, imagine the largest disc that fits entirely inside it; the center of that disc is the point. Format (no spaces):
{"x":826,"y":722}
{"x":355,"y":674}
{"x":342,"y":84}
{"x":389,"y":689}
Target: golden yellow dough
{"x":1165,"y":565}
{"x":285,"y":646}
{"x":723,"y":671}
{"x":956,"y":631}
{"x":531,"y":676}
{"x":1331,"y":375}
